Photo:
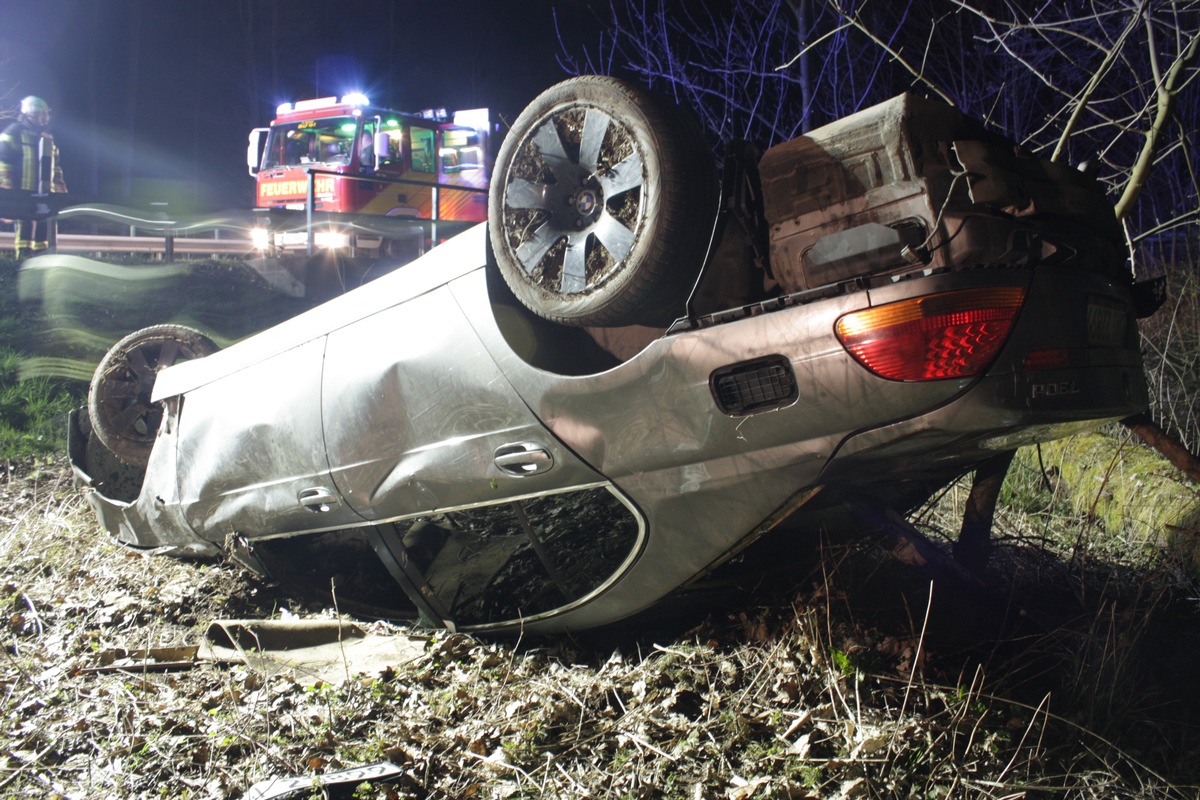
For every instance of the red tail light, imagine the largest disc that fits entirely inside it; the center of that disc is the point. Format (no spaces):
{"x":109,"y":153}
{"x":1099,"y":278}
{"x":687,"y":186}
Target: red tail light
{"x":951,"y":335}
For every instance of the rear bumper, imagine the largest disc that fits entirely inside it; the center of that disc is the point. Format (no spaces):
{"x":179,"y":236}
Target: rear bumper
{"x":1071,"y":364}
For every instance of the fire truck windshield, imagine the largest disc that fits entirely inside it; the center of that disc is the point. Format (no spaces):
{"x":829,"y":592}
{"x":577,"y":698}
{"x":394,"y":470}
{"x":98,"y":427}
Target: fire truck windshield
{"x":310,"y":141}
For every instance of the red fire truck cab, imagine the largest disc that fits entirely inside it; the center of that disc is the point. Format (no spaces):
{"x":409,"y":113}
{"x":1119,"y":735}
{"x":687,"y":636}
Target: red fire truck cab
{"x":357,"y":163}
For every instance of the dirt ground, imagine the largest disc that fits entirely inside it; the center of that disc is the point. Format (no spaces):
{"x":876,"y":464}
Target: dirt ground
{"x":813,"y":667}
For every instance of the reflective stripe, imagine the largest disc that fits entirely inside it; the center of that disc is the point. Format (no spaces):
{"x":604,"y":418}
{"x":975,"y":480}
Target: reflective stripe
{"x":19,"y":137}
{"x":31,"y":235}
{"x":28,"y":161}
{"x":6,"y":146}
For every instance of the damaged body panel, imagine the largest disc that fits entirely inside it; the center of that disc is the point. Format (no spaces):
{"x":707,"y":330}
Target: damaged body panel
{"x":516,"y":470}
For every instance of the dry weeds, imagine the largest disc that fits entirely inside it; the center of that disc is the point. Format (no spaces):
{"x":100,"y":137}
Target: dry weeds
{"x":845,"y":676}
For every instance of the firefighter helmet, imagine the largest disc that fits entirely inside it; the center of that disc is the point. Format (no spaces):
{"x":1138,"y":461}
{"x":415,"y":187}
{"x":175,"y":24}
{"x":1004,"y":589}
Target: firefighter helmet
{"x":33,"y":105}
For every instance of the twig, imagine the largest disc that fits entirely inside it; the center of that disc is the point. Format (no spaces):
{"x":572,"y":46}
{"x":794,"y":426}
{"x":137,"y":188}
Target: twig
{"x":33,"y":610}
{"x":811,"y":45}
{"x":1062,"y":720}
{"x":1186,"y":217}
{"x":578,"y":787}
{"x":899,"y":59}
{"x":643,"y":743}
{"x":1085,"y":96}
{"x":916,"y":659}
{"x":1167,"y":93}
{"x":496,"y":762}
{"x":24,"y":767}
{"x":1033,"y":719}
{"x":341,"y":644}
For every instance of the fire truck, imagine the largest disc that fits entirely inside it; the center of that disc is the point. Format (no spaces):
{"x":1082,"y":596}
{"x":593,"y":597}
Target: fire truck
{"x":341,"y":173}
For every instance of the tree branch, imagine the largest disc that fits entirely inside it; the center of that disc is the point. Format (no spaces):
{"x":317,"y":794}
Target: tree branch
{"x":1085,"y":96}
{"x":895,"y":56}
{"x":1170,"y":447}
{"x":1167,"y":92}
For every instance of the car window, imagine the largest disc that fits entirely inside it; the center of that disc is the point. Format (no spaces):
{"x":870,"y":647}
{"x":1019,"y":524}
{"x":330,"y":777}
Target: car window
{"x":515,"y":560}
{"x":424,"y":152}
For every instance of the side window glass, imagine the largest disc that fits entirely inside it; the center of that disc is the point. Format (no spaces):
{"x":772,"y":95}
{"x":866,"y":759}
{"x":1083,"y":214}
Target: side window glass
{"x":366,"y":146}
{"x":461,"y":151}
{"x":424,"y":152}
{"x":515,"y":560}
{"x":335,"y":141}
{"x":395,"y":136}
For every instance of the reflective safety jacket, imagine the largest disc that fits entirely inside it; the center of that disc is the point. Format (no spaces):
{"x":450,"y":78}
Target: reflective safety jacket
{"x":20,"y":145}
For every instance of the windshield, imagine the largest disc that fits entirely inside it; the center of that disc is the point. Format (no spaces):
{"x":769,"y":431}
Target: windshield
{"x":311,"y":141}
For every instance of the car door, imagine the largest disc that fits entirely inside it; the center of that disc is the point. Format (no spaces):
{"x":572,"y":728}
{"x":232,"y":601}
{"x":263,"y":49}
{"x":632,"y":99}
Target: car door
{"x":417,"y":417}
{"x":251,"y":457}
{"x":481,"y":514}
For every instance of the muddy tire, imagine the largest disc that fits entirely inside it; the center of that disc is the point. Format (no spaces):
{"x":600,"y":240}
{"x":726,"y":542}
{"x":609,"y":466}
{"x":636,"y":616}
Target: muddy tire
{"x":601,"y":205}
{"x":122,"y":416}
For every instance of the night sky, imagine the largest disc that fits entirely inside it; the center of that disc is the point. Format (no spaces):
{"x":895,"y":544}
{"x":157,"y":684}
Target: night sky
{"x":153,"y":100}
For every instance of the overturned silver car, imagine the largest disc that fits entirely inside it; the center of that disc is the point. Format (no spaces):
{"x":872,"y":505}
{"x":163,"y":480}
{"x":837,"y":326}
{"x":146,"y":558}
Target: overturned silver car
{"x":637,"y":367}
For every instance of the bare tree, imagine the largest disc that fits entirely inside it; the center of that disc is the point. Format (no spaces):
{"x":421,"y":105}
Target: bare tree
{"x":1091,"y":82}
{"x":758,"y":70}
{"x":1088,"y":81}
{"x":1104,"y":80}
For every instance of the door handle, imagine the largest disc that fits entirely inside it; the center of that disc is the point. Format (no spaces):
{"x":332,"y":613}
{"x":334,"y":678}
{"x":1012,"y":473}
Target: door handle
{"x":318,"y":499}
{"x":523,"y":459}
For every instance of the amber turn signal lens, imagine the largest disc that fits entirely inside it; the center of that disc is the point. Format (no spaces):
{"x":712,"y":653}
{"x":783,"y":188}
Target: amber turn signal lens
{"x":950,"y":335}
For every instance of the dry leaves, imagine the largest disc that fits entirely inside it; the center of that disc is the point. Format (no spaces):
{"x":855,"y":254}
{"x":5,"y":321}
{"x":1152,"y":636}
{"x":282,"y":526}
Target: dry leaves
{"x":796,"y":700}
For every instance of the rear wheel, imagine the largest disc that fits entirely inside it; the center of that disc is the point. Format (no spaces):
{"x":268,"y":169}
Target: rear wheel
{"x":601,"y":205}
{"x":122,"y":416}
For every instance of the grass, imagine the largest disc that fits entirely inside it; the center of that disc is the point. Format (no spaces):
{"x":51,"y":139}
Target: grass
{"x":33,"y":414}
{"x":1171,"y":343}
{"x":826,"y":679}
{"x":32,"y":411}
{"x":57,"y":321}
{"x":1108,"y":586}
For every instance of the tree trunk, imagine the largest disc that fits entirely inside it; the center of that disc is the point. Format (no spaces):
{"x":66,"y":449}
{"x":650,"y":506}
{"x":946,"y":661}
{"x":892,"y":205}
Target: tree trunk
{"x":1171,"y":448}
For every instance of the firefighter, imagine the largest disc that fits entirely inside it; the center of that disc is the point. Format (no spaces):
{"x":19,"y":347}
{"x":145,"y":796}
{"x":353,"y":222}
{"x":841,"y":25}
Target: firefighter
{"x":29,"y":160}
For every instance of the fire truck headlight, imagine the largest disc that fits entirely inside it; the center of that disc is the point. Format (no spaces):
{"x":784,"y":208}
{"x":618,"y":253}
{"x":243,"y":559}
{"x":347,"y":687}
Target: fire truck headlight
{"x":331,"y":240}
{"x":260,"y":238}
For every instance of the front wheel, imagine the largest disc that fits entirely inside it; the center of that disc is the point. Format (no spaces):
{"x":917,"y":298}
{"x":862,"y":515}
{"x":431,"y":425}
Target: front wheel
{"x":601,"y":205}
{"x":122,"y":416}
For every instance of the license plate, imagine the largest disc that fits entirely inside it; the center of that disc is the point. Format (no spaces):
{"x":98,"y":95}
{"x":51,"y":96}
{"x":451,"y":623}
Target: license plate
{"x":1108,"y":321}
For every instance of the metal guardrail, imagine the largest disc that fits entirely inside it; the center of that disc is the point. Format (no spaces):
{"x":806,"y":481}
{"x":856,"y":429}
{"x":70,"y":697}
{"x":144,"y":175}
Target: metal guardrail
{"x":180,"y":235}
{"x":160,"y":222}
{"x":173,"y":235}
{"x":100,"y":243}
{"x":375,"y":223}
